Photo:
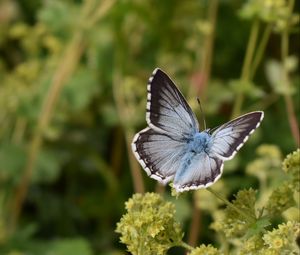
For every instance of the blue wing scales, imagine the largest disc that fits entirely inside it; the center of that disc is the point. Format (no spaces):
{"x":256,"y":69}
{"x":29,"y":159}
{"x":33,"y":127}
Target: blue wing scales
{"x":158,"y":154}
{"x":197,"y":171}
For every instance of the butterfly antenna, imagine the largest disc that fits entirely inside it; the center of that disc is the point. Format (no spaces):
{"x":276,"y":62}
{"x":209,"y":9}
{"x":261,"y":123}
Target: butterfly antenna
{"x":202,"y":113}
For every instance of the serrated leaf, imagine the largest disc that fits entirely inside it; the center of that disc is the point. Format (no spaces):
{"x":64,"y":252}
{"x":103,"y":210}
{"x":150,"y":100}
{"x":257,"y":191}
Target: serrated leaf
{"x":257,"y":227}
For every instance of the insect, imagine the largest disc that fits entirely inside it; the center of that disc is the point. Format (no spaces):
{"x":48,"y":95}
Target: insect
{"x":172,"y":148}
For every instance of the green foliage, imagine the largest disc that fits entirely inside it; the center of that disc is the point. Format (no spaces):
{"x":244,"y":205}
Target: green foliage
{"x":235,"y":224}
{"x":291,"y":167}
{"x":149,"y":226}
{"x":280,"y":199}
{"x":150,"y":221}
{"x":73,"y":92}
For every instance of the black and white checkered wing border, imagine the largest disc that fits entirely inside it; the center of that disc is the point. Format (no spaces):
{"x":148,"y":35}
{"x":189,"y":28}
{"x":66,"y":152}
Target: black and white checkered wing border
{"x":167,"y":109}
{"x":158,"y":154}
{"x":231,"y":136}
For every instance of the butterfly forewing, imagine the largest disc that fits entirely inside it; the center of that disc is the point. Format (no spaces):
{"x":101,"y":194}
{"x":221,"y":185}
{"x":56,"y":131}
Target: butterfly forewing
{"x":231,"y":136}
{"x":167,"y":110}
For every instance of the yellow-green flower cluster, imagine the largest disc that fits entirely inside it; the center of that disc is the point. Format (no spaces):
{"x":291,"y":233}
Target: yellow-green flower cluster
{"x":235,"y":224}
{"x":205,"y":250}
{"x":271,"y":11}
{"x":291,"y":165}
{"x":280,"y":199}
{"x":283,"y":239}
{"x":252,"y":245}
{"x":149,"y":226}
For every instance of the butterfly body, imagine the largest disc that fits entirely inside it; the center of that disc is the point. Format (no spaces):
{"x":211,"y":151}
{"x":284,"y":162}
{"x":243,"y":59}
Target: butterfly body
{"x":172,"y":148}
{"x":200,"y":142}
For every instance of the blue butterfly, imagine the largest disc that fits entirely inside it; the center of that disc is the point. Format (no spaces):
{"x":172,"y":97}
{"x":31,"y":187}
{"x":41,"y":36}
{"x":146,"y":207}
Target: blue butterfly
{"x":172,"y":148}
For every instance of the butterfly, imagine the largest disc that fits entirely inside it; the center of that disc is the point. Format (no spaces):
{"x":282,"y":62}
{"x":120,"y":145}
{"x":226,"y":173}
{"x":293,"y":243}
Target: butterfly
{"x":172,"y":148}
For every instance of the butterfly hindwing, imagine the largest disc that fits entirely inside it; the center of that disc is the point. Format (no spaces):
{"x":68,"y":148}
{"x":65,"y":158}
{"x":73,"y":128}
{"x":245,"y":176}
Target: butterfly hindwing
{"x":198,"y":171}
{"x":231,"y":136}
{"x":158,"y":154}
{"x":167,"y":110}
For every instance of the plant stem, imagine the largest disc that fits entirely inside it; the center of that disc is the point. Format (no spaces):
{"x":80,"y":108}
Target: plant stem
{"x":246,"y":215}
{"x":137,"y":177}
{"x":261,"y":49}
{"x":19,"y":130}
{"x":134,"y":166}
{"x":186,"y":246}
{"x":245,"y":75}
{"x":209,"y":42}
{"x":195,"y":225}
{"x":287,"y":97}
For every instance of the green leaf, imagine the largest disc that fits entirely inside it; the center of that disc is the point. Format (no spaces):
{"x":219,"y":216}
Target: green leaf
{"x":257,"y":227}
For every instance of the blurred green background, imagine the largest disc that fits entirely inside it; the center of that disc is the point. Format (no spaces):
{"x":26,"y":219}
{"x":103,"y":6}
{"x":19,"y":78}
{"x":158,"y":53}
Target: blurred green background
{"x":73,"y":93}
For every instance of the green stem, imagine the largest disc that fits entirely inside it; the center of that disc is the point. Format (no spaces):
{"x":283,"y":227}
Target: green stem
{"x":121,"y":109}
{"x":286,"y":80}
{"x":246,"y":66}
{"x":261,"y":49}
{"x":186,"y":246}
{"x":231,"y":205}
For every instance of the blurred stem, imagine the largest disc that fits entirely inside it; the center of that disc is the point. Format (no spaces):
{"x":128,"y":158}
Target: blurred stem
{"x":264,"y":104}
{"x":261,"y":49}
{"x":195,"y":225}
{"x":246,"y":66}
{"x":19,"y":130}
{"x":231,"y":205}
{"x":209,"y":41}
{"x":134,"y":165}
{"x":102,"y":9}
{"x":287,"y":97}
{"x":65,"y":69}
{"x":121,"y":108}
{"x":186,"y":246}
{"x":159,"y":188}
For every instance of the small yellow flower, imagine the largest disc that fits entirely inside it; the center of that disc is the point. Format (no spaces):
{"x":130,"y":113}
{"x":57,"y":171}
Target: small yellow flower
{"x":149,"y":225}
{"x":277,"y":243}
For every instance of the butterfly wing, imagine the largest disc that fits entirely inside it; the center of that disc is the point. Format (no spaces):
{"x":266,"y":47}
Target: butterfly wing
{"x":203,"y":169}
{"x":231,"y":136}
{"x":160,"y":147}
{"x":167,"y":110}
{"x":158,"y":154}
{"x":198,"y":171}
